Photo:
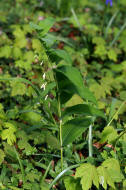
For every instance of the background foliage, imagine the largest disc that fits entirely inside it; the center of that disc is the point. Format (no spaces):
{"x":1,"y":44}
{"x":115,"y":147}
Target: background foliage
{"x":69,"y":54}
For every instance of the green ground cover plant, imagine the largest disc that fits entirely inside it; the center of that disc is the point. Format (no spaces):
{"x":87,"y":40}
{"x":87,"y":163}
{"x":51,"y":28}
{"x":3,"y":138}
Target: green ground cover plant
{"x":62,"y":95}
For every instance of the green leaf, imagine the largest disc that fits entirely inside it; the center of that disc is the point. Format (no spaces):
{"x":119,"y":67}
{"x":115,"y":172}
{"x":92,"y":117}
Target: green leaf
{"x":23,"y":80}
{"x":108,"y":134}
{"x":32,"y":176}
{"x":17,"y":53}
{"x":111,"y":163}
{"x":106,"y":83}
{"x":72,"y":184}
{"x":29,"y":57}
{"x":98,"y":40}
{"x":2,"y":155}
{"x":35,"y":186}
{"x":100,"y":51}
{"x":109,"y":172}
{"x":44,"y":25}
{"x":8,"y":134}
{"x":26,"y":147}
{"x":83,"y":109}
{"x":20,"y":38}
{"x":124,"y":183}
{"x":49,"y":39}
{"x":18,"y":88}
{"x":75,"y":99}
{"x":113,"y":169}
{"x":5,"y":51}
{"x":27,"y":185}
{"x":44,"y":186}
{"x":73,"y":129}
{"x":9,"y":151}
{"x":74,"y":76}
{"x":31,"y":117}
{"x":88,"y":175}
{"x":123,"y":95}
{"x":24,"y":64}
{"x":35,"y":26}
{"x":36,"y":45}
{"x":112,"y":55}
{"x":23,"y":143}
{"x":52,"y":141}
{"x":104,"y":177}
{"x":117,"y":176}
{"x":38,"y":137}
{"x":64,"y":55}
{"x":66,"y":88}
{"x":98,"y":91}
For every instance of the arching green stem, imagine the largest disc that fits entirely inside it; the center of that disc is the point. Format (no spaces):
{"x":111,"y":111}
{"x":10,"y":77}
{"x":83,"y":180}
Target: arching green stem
{"x":90,"y":142}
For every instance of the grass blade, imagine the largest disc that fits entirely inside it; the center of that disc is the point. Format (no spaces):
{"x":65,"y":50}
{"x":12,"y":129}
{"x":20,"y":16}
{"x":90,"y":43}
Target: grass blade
{"x":76,"y":19}
{"x":21,"y":166}
{"x":46,"y":172}
{"x":116,"y":113}
{"x":62,"y":173}
{"x":118,"y":34}
{"x":110,"y":23}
